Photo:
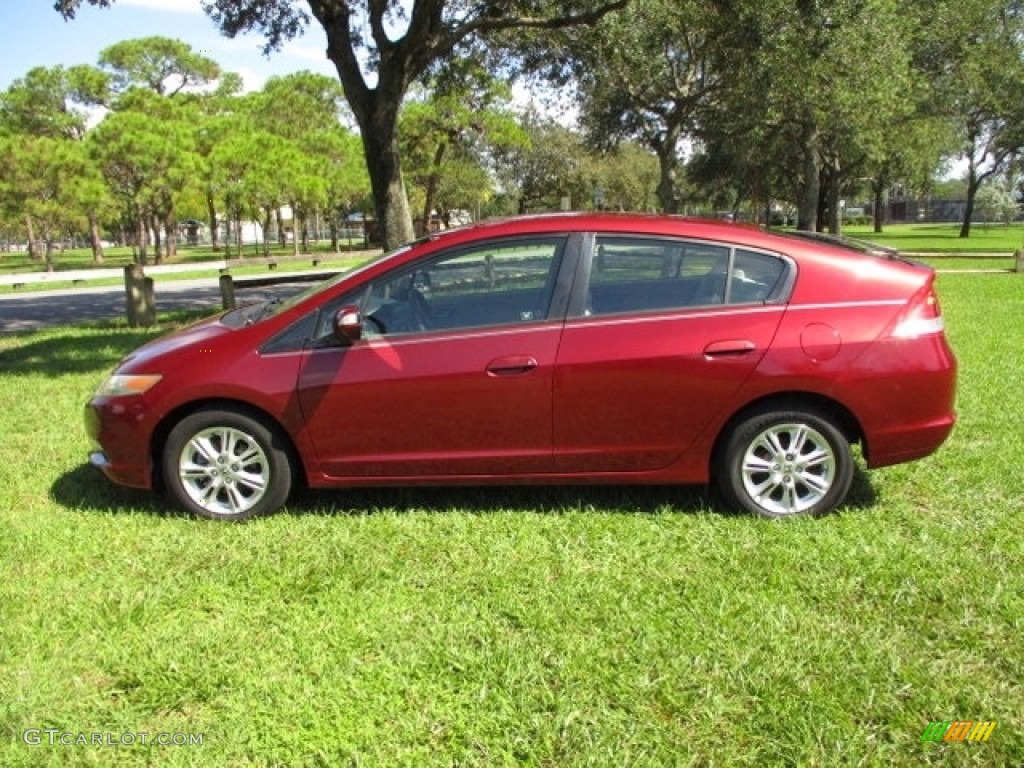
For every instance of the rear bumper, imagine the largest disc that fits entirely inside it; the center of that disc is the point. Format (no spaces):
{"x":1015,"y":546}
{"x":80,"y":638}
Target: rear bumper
{"x":908,"y":442}
{"x":904,"y":395}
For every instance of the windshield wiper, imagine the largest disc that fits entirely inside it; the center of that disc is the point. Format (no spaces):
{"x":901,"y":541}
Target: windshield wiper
{"x":256,"y":312}
{"x":268,"y":309}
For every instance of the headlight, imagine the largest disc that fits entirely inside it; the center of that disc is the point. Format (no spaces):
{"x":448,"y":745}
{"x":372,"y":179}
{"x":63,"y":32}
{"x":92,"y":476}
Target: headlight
{"x":120,"y":385}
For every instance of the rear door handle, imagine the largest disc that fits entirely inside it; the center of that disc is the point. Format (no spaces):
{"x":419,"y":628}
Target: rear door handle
{"x":515,"y":365}
{"x":729,"y":348}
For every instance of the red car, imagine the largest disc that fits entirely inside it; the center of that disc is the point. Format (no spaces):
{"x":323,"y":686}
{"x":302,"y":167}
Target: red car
{"x":550,"y":349}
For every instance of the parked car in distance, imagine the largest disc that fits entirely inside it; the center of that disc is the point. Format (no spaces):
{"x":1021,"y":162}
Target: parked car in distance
{"x":563,"y":348}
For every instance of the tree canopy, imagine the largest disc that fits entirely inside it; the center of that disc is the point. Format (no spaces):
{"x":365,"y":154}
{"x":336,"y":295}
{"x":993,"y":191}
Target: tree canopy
{"x":758,"y":105}
{"x":379,"y":48}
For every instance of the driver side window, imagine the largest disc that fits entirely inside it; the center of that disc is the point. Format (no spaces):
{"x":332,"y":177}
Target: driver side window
{"x":499,"y":283}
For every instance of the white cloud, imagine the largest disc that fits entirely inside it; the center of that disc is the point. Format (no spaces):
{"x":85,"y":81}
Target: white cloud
{"x":241,"y":43}
{"x":173,"y":6}
{"x":304,"y":52}
{"x":252,"y":80}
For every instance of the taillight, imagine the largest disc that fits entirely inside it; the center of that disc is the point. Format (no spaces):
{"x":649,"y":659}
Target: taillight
{"x":922,"y":317}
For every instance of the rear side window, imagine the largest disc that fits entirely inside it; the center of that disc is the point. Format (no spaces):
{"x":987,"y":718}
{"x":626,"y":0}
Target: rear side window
{"x":637,"y":274}
{"x":755,"y":277}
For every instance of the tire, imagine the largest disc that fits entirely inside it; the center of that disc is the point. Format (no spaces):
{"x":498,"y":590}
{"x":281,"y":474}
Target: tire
{"x":783,"y":463}
{"x":224,"y":465}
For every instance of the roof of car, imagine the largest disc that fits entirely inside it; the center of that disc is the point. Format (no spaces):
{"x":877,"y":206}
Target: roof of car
{"x":639,"y":223}
{"x":601,"y":221}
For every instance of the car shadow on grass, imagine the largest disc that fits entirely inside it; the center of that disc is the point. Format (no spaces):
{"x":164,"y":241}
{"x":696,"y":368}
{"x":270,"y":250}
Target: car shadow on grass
{"x":542,"y":499}
{"x":87,"y":348}
{"x":61,"y":355}
{"x":86,"y":489}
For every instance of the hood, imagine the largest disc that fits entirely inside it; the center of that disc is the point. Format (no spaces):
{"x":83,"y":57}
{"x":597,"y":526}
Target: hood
{"x":205,"y":330}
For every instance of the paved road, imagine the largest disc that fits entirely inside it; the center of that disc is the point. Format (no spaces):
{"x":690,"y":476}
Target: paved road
{"x":34,"y":310}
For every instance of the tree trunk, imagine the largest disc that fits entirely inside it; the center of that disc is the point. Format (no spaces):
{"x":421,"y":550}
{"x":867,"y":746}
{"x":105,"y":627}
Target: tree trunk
{"x":333,"y":226}
{"x":211,"y":211}
{"x":295,"y":228}
{"x":229,"y":227}
{"x":429,"y":38}
{"x":668,"y":200}
{"x":170,"y":236}
{"x":376,"y":113}
{"x":878,"y":188}
{"x":141,"y":238}
{"x":433,"y":181}
{"x":282,"y":240}
{"x":95,"y":241}
{"x":154,"y":227}
{"x":390,"y":203}
{"x":807,"y":209}
{"x":835,"y":214}
{"x":48,"y":246}
{"x":33,"y":244}
{"x":268,"y":217}
{"x":668,"y":164}
{"x":972,"y":192}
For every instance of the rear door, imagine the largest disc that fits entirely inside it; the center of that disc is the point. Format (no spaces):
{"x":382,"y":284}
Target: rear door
{"x":664,"y":332}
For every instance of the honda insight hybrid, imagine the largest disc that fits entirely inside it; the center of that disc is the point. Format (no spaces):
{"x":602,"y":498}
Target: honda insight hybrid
{"x":568,"y":349}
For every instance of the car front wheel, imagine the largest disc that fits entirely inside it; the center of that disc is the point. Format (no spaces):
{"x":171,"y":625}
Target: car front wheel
{"x":784,"y":463}
{"x":225,"y":465}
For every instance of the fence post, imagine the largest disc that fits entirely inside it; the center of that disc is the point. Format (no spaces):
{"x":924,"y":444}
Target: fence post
{"x":227,"y":291}
{"x":1018,"y":265}
{"x":140,"y":304}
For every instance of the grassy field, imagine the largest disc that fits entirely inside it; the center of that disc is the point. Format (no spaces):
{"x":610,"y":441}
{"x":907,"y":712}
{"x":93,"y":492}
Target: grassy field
{"x":542,"y":627}
{"x":968,"y":263}
{"x":945,"y":238}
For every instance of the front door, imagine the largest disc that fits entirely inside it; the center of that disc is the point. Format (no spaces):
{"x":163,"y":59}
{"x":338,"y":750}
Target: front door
{"x":455,"y":375}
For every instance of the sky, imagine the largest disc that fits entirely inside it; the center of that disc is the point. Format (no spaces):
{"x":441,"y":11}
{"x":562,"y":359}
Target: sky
{"x":33,"y":34}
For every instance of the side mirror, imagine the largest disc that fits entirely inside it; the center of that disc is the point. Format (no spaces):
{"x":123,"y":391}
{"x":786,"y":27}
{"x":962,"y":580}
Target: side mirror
{"x":348,"y":325}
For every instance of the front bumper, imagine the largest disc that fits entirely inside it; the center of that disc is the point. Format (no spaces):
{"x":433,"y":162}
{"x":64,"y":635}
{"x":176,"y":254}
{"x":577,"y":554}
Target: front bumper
{"x":122,"y":454}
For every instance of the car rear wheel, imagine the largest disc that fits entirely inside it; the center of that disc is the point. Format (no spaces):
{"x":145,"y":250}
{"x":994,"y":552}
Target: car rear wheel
{"x":225,"y":465}
{"x":783,"y":463}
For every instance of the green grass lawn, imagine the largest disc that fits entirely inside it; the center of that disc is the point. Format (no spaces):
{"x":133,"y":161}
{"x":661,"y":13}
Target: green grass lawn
{"x":944,"y":238}
{"x":968,"y":263}
{"x":543,"y":627}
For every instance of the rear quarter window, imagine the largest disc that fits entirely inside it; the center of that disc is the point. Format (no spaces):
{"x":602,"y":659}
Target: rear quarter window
{"x":755,"y":277}
{"x":645,"y":274}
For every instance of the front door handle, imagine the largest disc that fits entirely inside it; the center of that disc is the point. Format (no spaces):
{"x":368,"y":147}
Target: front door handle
{"x":729,"y":348}
{"x":512,"y":366}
